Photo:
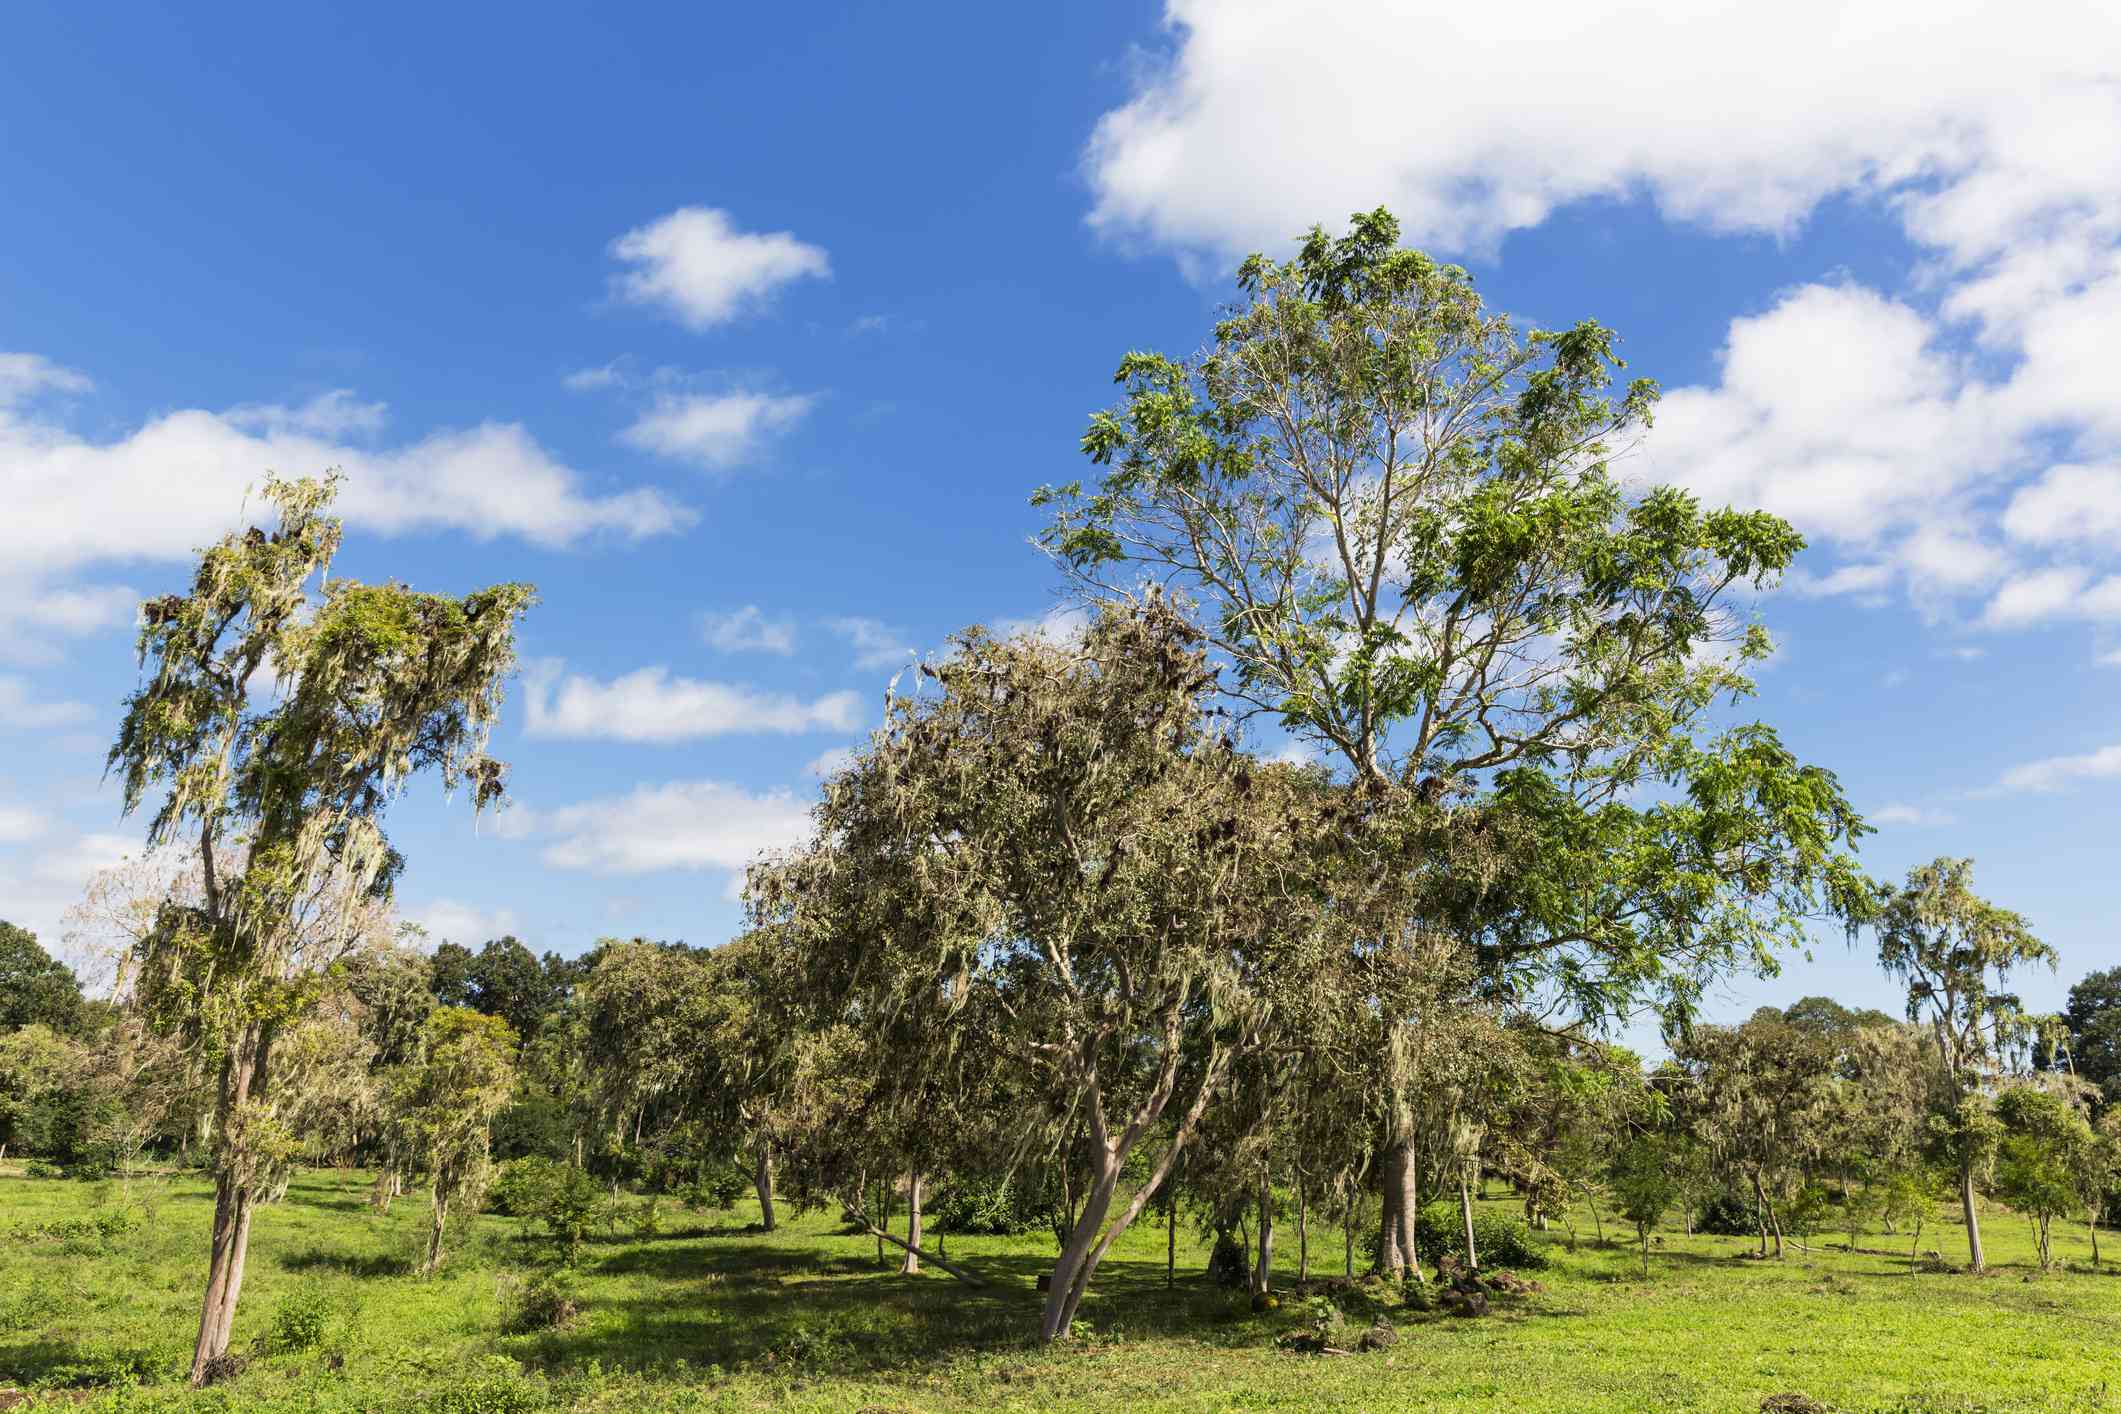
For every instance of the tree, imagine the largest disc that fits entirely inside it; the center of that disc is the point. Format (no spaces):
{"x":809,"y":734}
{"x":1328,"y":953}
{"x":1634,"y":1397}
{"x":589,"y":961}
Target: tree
{"x":2092,"y":1021}
{"x":1644,"y":1187}
{"x":1399,"y":514}
{"x":448,"y":1100}
{"x":377,"y":684}
{"x":1954,"y":951}
{"x":2047,"y":1153}
{"x":39,"y":1069}
{"x":1062,"y":843}
{"x":35,"y":987}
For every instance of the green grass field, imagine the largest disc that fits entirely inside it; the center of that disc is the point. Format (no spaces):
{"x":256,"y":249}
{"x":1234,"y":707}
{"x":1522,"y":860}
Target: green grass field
{"x":714,"y":1314}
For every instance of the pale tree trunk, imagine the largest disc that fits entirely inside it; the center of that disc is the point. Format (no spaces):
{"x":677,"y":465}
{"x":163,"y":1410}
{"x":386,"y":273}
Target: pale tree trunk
{"x":762,"y":1181}
{"x":233,"y":1205}
{"x":2094,"y":1225}
{"x":1090,"y":1238}
{"x":1400,"y":1187}
{"x":1303,"y":1231}
{"x":1465,"y":1211}
{"x":1263,"y":1265}
{"x":1770,"y":1220}
{"x":912,"y":1263}
{"x":1973,"y":1219}
{"x":437,"y":1222}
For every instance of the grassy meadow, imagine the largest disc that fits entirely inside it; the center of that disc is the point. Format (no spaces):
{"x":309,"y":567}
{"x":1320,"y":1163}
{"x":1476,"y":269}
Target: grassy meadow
{"x":712,"y":1313}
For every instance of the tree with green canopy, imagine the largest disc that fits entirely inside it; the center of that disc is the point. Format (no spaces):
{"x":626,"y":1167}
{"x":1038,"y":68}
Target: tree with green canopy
{"x":376,"y":684}
{"x":1062,"y":842}
{"x":1400,"y":515}
{"x":2091,"y":1020}
{"x":448,"y":1099}
{"x":35,"y":987}
{"x":1955,"y":952}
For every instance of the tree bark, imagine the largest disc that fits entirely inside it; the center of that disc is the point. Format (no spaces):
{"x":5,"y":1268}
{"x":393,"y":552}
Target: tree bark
{"x":1303,"y":1232}
{"x":224,"y":1274}
{"x":1400,"y":1185}
{"x":762,"y":1181}
{"x":1465,"y":1211}
{"x":2094,"y":1225}
{"x":1171,"y":1241}
{"x":1973,"y":1219}
{"x":912,"y":1264}
{"x":1263,"y":1265}
{"x":437,"y":1222}
{"x":968,"y":1278}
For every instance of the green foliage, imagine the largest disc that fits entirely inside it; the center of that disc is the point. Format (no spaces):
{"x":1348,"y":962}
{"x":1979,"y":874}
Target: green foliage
{"x":299,"y":1322}
{"x":519,"y":1186}
{"x":996,"y":1206}
{"x":36,"y":989}
{"x":549,"y":1299}
{"x":1500,"y":1240}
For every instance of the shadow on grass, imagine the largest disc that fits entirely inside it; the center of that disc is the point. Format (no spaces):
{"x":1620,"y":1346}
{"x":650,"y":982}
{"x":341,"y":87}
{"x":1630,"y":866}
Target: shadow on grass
{"x":353,"y":1264}
{"x":762,"y":1305}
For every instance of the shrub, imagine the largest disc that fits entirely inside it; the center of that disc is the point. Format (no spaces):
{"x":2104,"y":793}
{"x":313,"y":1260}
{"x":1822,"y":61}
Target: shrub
{"x":38,"y":1168}
{"x":1727,"y":1215}
{"x":545,"y":1302}
{"x":519,"y":1185}
{"x":1500,"y":1241}
{"x":298,"y":1323}
{"x":1226,"y":1263}
{"x":996,"y":1207}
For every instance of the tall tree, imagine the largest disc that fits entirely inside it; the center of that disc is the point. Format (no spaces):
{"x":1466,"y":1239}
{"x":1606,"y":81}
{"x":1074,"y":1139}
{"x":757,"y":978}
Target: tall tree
{"x":2092,"y":1020}
{"x":1066,"y":830}
{"x":35,"y":987}
{"x":377,"y":683}
{"x":448,"y":1099}
{"x":1399,"y":512}
{"x":1955,"y":952}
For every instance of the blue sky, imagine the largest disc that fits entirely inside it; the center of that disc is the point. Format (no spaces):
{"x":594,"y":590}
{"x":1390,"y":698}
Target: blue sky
{"x":745,"y":338}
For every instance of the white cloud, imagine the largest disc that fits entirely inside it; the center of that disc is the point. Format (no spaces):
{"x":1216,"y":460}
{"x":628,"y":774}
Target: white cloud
{"x":2055,"y":772}
{"x":876,"y":644}
{"x":748,"y":630}
{"x":19,"y":824}
{"x":37,"y":889}
{"x":187,"y":477}
{"x":32,"y":615}
{"x":1265,"y":118}
{"x":2058,"y":592}
{"x":333,"y":414}
{"x":448,"y":920}
{"x":830,"y":763}
{"x":24,"y":375}
{"x":2068,"y":503}
{"x":22,"y":710}
{"x":591,"y":380}
{"x":1888,"y":428}
{"x":649,"y":705}
{"x":675,"y":825}
{"x":697,"y":267}
{"x":714,"y":430}
{"x":1063,"y":624}
{"x":1918,"y":815}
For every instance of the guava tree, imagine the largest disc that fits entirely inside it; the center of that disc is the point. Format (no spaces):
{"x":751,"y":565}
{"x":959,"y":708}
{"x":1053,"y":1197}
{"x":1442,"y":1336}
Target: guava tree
{"x":376,"y":684}
{"x":1399,"y":514}
{"x":1955,"y":953}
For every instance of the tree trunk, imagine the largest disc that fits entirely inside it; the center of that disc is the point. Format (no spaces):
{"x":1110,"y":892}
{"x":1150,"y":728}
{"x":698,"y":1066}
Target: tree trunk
{"x":1973,"y":1219}
{"x":968,"y":1278}
{"x":1400,"y":1185}
{"x":1171,"y":1241}
{"x":1465,"y":1210}
{"x":1071,"y":1271}
{"x":1347,"y":1243}
{"x":224,"y":1274}
{"x":2094,"y":1225}
{"x":1303,"y":1232}
{"x":1642,"y":1230}
{"x":1263,"y":1267}
{"x":437,"y":1222}
{"x":1772,"y":1222}
{"x":912,"y":1264}
{"x":762,"y":1181}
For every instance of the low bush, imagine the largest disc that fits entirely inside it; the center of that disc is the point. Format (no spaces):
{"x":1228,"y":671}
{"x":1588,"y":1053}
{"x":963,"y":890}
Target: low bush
{"x":298,"y":1323}
{"x":1499,"y":1241}
{"x":995,"y":1207}
{"x":547,"y":1301}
